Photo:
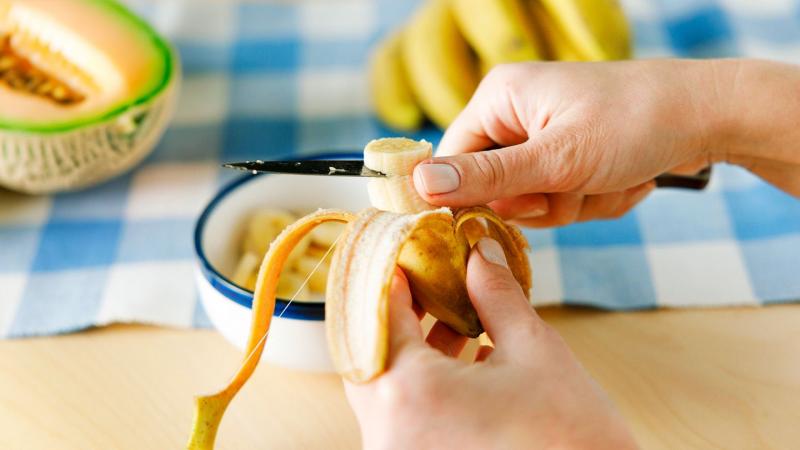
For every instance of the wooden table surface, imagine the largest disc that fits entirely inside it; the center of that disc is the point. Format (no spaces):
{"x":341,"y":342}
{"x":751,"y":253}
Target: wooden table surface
{"x":684,"y":379}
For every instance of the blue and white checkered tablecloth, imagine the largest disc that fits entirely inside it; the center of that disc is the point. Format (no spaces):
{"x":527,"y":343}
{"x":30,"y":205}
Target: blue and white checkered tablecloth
{"x":279,"y":80}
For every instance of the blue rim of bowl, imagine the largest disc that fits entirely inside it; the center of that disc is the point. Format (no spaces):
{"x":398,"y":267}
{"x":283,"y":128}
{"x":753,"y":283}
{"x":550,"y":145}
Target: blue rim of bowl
{"x":231,"y":291}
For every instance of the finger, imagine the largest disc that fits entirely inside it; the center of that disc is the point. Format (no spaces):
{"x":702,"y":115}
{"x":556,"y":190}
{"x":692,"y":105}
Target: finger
{"x":501,"y":305}
{"x":484,"y":351}
{"x":633,"y":196}
{"x":404,"y":328}
{"x":489,"y":119}
{"x":418,"y":310}
{"x":600,"y":206}
{"x":543,"y":164}
{"x":527,"y":206}
{"x":443,"y":338}
{"x":564,"y":210}
{"x":691,"y":167}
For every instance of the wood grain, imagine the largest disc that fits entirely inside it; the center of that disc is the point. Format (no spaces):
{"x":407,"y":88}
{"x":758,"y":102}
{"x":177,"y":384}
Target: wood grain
{"x":684,"y":379}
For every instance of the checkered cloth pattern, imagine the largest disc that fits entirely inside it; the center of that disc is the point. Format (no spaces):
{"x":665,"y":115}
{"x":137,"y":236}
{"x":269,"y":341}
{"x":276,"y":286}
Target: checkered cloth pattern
{"x":279,"y":80}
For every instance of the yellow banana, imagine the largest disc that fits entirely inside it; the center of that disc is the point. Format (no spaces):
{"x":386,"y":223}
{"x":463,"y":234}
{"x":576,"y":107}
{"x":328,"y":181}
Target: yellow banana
{"x":442,"y":70}
{"x":500,"y":31}
{"x":391,"y":93}
{"x":559,"y":46}
{"x":597,"y":29}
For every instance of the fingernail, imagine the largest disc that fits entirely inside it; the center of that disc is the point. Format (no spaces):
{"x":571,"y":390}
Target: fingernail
{"x":492,"y":252}
{"x":532,"y":214}
{"x":436,"y":178}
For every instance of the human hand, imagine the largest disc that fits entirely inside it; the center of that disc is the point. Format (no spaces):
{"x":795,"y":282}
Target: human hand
{"x":583,"y":141}
{"x":527,"y":392}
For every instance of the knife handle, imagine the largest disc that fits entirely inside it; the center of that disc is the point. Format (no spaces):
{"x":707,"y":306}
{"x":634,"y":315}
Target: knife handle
{"x":695,"y":182}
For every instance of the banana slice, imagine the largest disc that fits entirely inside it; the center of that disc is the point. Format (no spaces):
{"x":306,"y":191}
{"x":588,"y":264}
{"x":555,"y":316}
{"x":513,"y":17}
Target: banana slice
{"x":307,"y":265}
{"x":263,"y":227}
{"x":324,"y":236}
{"x":291,"y":287}
{"x":396,"y":157}
{"x":245,"y":270}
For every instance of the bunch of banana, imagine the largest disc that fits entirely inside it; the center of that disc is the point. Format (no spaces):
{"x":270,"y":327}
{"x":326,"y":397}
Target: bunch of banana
{"x":431,"y":67}
{"x":430,"y":244}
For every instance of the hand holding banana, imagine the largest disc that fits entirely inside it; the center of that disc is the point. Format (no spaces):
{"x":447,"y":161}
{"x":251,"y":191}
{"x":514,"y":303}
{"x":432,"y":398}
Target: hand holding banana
{"x":432,"y":66}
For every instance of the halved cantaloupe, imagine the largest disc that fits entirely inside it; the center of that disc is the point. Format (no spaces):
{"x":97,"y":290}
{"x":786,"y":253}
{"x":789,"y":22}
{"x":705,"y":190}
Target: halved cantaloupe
{"x":86,"y":90}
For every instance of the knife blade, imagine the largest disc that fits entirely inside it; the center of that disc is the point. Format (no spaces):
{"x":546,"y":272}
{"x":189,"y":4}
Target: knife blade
{"x":330,"y":167}
{"x":356,"y":168}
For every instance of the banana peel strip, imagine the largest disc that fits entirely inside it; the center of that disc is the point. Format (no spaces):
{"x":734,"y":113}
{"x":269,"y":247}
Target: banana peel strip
{"x":210,"y":408}
{"x":356,"y":302}
{"x":510,"y":238}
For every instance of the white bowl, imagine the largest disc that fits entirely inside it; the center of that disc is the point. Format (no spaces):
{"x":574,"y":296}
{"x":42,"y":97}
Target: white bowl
{"x":297,"y":338}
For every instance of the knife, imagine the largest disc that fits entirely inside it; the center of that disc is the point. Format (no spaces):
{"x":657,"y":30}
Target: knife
{"x":356,"y":168}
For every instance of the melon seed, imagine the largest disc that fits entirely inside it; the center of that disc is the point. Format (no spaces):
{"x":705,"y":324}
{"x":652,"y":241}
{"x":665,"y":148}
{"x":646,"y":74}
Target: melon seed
{"x":21,"y":75}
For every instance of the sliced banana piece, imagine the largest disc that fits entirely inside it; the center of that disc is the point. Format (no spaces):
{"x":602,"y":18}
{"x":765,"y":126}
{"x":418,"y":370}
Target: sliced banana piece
{"x":263,"y":227}
{"x":325,"y":235}
{"x":291,"y":287}
{"x":396,"y":157}
{"x":317,"y":273}
{"x":245,"y":270}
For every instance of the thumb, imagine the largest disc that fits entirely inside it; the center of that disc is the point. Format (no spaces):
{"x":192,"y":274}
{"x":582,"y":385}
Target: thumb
{"x":498,"y":298}
{"x":469,"y":179}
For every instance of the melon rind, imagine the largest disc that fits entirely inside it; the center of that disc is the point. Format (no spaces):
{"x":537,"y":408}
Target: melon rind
{"x":40,"y":160}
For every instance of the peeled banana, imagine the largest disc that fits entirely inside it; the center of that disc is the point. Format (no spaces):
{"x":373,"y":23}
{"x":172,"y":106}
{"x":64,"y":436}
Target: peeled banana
{"x":431,"y":246}
{"x":441,"y":68}
{"x":499,"y":31}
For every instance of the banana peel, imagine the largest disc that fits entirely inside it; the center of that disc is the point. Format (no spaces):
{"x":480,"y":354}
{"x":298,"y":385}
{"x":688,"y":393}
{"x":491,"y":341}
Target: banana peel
{"x":209,"y":409}
{"x":432,"y":247}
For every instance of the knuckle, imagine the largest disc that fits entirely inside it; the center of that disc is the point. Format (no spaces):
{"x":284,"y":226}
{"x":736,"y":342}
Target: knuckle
{"x":564,"y":217}
{"x":501,"y":73}
{"x":490,"y":168}
{"x":509,"y":77}
{"x":573,"y":156}
{"x":536,"y":329}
